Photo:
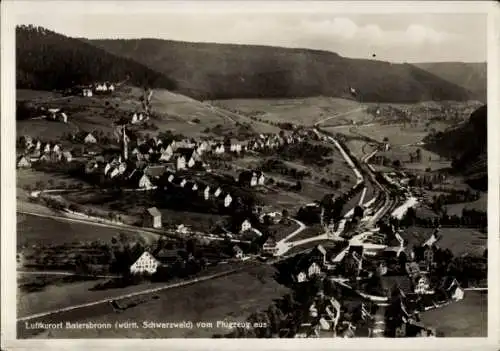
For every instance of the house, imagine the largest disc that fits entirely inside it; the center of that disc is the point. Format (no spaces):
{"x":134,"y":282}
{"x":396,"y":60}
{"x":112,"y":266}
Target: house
{"x":219,"y":149}
{"x":56,"y":148}
{"x":87,"y":92}
{"x":47,"y":148}
{"x":107,"y":168}
{"x":114,"y":172}
{"x":422,"y":286}
{"x":183,"y":183}
{"x":217,"y":192}
{"x":145,"y":183}
{"x":261,"y":179}
{"x":166,"y":154}
{"x":90,"y":139}
{"x":246,"y":225}
{"x":206,"y":193}
{"x":313,"y":270}
{"x":301,"y":277}
{"x":181,"y":163}
{"x":191,"y":162}
{"x":67,"y":156}
{"x":152,"y":218}
{"x":238,"y":252}
{"x":63,"y":117}
{"x":23,"y":162}
{"x":145,"y":264}
{"x":270,"y":247}
{"x":228,"y":200}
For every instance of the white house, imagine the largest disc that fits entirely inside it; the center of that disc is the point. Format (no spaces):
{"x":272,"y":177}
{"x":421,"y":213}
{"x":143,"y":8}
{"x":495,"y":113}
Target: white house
{"x":219,"y":149}
{"x":217,"y":192}
{"x":145,"y":183}
{"x":87,"y":92}
{"x":227,"y":200}
{"x":246,"y":225}
{"x":90,"y":139}
{"x":23,"y":162}
{"x":183,"y":183}
{"x":191,"y":162}
{"x":47,"y":147}
{"x":114,"y":172}
{"x":261,"y":179}
{"x":195,"y":187}
{"x":146,"y":263}
{"x":270,"y":246}
{"x":253,"y":181}
{"x":301,"y":277}
{"x":107,"y":168}
{"x":238,"y":252}
{"x":206,"y":193}
{"x":171,"y":178}
{"x":313,"y":270}
{"x":38,"y":145}
{"x":181,"y":163}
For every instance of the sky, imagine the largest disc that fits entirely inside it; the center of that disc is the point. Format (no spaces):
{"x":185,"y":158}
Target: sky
{"x":399,"y":37}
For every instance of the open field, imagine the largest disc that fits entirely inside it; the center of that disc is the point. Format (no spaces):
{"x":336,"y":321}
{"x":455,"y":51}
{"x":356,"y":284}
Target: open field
{"x":480,"y":205}
{"x":302,"y":111}
{"x":30,"y":177}
{"x":35,"y":95}
{"x":231,"y":298}
{"x":465,"y":318}
{"x":458,"y":240}
{"x":34,"y":230}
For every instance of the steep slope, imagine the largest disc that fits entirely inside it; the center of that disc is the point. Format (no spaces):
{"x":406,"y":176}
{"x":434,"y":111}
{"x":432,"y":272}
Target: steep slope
{"x":468,"y":146}
{"x":224,"y":71}
{"x":47,"y":60}
{"x":471,"y":76}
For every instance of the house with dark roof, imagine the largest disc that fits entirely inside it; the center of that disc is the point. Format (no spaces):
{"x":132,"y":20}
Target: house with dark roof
{"x":152,"y":218}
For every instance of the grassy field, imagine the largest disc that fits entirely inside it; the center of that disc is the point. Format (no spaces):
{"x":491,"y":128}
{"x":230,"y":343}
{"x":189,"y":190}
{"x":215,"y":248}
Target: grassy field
{"x":303,"y":111}
{"x":458,"y":240}
{"x":34,"y":230}
{"x":231,"y":298}
{"x":29,"y":177}
{"x":466,"y":318}
{"x":480,"y":205}
{"x":35,"y":95}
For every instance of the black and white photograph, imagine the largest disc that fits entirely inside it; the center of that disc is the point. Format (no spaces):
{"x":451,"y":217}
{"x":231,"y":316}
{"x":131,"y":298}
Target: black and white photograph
{"x":271,"y":174}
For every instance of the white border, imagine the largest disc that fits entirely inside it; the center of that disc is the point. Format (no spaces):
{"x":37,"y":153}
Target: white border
{"x":8,"y":212}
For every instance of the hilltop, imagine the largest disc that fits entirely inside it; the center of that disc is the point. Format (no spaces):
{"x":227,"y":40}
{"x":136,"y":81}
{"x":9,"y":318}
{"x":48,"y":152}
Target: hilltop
{"x":208,"y":71}
{"x":47,"y":60}
{"x":469,"y":75}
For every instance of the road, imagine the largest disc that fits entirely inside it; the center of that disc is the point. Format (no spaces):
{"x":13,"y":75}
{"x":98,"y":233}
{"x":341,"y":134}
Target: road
{"x":339,"y":115}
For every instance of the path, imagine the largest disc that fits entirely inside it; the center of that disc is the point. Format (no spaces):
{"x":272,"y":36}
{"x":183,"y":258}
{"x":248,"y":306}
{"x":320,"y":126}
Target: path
{"x":65,"y":274}
{"x":339,"y":115}
{"x":379,"y":323}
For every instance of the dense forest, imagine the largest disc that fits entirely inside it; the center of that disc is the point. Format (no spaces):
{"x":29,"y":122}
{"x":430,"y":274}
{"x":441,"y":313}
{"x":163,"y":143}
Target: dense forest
{"x":223,"y":71}
{"x":47,"y":61}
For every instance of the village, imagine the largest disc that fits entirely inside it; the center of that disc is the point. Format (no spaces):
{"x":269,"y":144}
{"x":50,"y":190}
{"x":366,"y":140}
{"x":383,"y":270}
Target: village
{"x":342,"y":254}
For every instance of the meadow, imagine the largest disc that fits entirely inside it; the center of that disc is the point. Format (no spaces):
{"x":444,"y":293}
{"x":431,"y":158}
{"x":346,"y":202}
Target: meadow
{"x":302,"y":111}
{"x":229,"y":298}
{"x":465,"y":318}
{"x":458,"y":240}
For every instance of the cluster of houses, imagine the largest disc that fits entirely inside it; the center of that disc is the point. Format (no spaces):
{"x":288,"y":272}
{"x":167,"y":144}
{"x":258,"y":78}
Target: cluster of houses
{"x":416,"y":290}
{"x":274,"y":141}
{"x":98,"y":88}
{"x":54,"y":114}
{"x":36,"y":150}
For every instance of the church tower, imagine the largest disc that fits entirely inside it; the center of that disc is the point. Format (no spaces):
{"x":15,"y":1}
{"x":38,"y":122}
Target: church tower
{"x":124,"y":144}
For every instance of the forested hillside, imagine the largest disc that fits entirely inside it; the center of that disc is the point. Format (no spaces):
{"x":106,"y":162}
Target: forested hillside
{"x":471,"y":76}
{"x":46,"y":60}
{"x":468,"y":146}
{"x":224,"y":71}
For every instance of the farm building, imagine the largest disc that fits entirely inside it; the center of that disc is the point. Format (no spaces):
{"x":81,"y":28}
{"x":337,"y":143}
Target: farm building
{"x":67,"y":156}
{"x":270,"y":246}
{"x":23,"y":162}
{"x":146,"y":263}
{"x":152,"y":218}
{"x":90,"y":139}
